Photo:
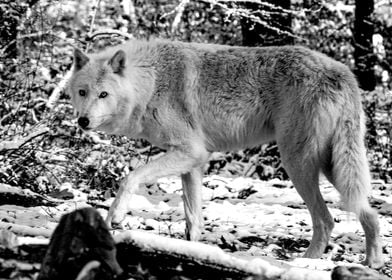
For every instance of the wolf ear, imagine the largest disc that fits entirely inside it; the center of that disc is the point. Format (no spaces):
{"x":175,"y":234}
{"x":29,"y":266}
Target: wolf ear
{"x":80,"y":59}
{"x":118,"y":61}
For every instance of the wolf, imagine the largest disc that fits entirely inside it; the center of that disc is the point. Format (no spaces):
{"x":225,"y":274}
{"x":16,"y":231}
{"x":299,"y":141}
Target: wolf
{"x":192,"y":99}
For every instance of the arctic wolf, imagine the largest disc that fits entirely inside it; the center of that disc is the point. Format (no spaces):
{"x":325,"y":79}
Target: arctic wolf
{"x":191,"y":99}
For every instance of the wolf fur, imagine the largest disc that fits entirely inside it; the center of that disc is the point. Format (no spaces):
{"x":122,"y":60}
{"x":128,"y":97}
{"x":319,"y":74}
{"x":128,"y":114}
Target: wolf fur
{"x":192,"y":99}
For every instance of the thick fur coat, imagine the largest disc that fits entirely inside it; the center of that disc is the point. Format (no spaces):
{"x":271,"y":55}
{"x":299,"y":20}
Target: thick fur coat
{"x":192,"y":99}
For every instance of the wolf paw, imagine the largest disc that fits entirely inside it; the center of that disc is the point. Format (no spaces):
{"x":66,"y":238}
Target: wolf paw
{"x":116,"y":213}
{"x":114,"y":220}
{"x":192,"y":234}
{"x":374,"y":263}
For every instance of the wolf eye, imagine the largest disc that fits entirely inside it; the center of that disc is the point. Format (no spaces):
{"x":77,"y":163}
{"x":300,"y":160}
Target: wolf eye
{"x":82,"y":92}
{"x":103,"y":94}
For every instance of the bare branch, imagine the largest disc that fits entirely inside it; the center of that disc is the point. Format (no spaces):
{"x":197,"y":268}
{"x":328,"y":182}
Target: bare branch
{"x":88,"y":270}
{"x":109,"y":32}
{"x":57,"y":91}
{"x":259,"y":2}
{"x":91,"y":17}
{"x":129,"y":9}
{"x":246,"y":13}
{"x":25,"y":230}
{"x":36,"y":35}
{"x":180,"y":10}
{"x":17,"y":143}
{"x":231,"y":9}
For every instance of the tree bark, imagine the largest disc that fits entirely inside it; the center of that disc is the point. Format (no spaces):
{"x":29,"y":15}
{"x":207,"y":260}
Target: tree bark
{"x":363,"y":53}
{"x":255,"y":34}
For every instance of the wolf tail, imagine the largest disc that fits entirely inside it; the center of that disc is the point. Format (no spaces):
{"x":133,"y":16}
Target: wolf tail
{"x":350,"y":170}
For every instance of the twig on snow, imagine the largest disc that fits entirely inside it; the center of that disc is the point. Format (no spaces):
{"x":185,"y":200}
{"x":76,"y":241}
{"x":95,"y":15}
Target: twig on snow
{"x":17,"y":143}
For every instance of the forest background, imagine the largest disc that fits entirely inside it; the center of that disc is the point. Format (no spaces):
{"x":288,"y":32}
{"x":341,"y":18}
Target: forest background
{"x":42,"y":147}
{"x":43,"y":150}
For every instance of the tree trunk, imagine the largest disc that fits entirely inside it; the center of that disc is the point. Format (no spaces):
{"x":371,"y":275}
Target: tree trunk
{"x":8,"y":30}
{"x":363,"y":53}
{"x":11,"y":15}
{"x":255,"y":34}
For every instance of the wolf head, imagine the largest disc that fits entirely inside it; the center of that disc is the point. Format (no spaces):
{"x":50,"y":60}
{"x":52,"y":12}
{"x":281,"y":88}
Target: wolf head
{"x":104,"y":94}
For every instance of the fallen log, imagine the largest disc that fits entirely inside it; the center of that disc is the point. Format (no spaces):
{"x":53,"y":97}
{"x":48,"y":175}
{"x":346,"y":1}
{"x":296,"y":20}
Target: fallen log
{"x":356,"y":273}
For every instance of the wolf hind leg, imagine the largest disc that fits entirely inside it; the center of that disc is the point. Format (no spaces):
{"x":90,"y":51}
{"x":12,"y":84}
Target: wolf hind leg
{"x":351,"y":177}
{"x":192,"y":185}
{"x":369,"y":221}
{"x":303,"y":169}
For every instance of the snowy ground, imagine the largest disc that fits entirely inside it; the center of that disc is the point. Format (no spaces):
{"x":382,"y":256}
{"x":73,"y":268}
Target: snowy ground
{"x":255,"y":218}
{"x":248,"y":218}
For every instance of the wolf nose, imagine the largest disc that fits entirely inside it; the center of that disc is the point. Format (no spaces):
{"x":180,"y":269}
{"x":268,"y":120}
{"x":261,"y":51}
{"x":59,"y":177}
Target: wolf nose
{"x":83,"y":122}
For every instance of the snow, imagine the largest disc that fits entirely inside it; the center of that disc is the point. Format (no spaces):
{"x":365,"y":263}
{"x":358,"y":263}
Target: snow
{"x":273,"y":211}
{"x":32,"y":240}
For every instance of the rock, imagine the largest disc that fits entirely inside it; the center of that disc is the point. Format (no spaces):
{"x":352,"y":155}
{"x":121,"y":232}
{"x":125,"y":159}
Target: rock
{"x":81,"y":247}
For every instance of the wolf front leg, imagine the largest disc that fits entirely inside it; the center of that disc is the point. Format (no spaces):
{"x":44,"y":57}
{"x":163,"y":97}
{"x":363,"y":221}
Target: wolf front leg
{"x":176,"y":161}
{"x":191,"y":185}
